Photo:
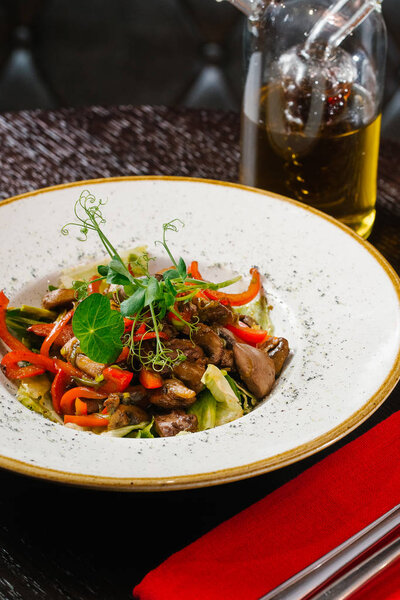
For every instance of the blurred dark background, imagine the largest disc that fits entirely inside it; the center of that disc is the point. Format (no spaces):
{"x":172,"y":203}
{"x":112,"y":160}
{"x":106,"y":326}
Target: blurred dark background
{"x":56,"y":53}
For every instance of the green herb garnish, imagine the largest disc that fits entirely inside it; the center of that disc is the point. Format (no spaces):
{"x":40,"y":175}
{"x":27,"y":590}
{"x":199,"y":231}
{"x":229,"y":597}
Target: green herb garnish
{"x":98,"y":328}
{"x":149,"y":299}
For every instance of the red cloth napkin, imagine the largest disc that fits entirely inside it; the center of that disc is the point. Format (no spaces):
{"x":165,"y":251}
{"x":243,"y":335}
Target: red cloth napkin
{"x":301,"y":521}
{"x":385,"y":586}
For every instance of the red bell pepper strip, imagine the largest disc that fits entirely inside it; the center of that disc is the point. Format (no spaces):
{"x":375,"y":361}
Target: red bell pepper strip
{"x":201,"y":294}
{"x":67,"y":368}
{"x":12,"y":342}
{"x":13,"y":371}
{"x":87,"y":420}
{"x":58,"y":389}
{"x":39,"y":363}
{"x":150,"y":335}
{"x":183,"y":311}
{"x":80,"y":407}
{"x":141,"y":329}
{"x":116,"y":380}
{"x":67,"y":403}
{"x":124,"y":354}
{"x":248,"y":334}
{"x":43,"y":330}
{"x":128,"y":324}
{"x":233,"y":299}
{"x":150,"y":379}
{"x":24,"y":372}
{"x":94,"y":287}
{"x":55,"y":331}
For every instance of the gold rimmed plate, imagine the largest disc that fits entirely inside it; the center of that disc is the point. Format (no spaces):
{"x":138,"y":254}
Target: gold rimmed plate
{"x":334,"y":297}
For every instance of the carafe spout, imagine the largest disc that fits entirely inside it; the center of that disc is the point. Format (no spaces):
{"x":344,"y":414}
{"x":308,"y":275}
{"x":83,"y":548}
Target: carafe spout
{"x":339,"y":21}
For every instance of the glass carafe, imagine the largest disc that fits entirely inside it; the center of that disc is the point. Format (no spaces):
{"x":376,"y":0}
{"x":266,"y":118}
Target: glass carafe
{"x":312,"y":106}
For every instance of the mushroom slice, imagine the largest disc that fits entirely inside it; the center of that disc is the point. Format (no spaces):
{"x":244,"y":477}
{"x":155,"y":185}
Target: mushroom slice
{"x":190,"y":373}
{"x":58,"y":298}
{"x":277,"y":349}
{"x":127,"y":415}
{"x":174,"y":422}
{"x":207,"y":339}
{"x":255,"y":368}
{"x":173,"y":394}
{"x":71,"y":352}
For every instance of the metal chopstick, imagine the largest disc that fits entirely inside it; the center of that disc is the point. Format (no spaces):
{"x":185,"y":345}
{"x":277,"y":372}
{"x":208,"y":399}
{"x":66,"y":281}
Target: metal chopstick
{"x":352,"y":581}
{"x":310,"y":579}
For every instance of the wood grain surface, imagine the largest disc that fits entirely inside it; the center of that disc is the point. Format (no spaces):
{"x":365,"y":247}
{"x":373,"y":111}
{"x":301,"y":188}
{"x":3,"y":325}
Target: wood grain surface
{"x":58,"y":542}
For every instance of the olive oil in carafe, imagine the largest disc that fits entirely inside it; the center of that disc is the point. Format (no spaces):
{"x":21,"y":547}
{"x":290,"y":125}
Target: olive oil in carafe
{"x":334,"y":170}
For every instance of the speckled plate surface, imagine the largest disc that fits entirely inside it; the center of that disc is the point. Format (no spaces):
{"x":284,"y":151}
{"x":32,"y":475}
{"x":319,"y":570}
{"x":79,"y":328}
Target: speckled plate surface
{"x":335,"y":299}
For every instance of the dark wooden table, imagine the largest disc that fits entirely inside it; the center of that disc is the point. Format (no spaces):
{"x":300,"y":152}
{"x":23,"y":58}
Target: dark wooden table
{"x":47,"y":549}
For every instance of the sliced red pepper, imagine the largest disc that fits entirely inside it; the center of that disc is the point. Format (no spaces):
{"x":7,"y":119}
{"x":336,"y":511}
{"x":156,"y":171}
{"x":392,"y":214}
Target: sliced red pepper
{"x":80,"y":407}
{"x":87,"y":420}
{"x":248,"y":334}
{"x":131,"y":270}
{"x":201,"y":294}
{"x":58,"y":388}
{"x":128,"y":324}
{"x":124,"y":354}
{"x":94,"y":287}
{"x":12,"y":342}
{"x":24,"y":372}
{"x":14,"y":371}
{"x":57,"y":328}
{"x":150,"y":379}
{"x":150,"y":335}
{"x":141,"y":329}
{"x":67,"y":368}
{"x":43,"y":330}
{"x":117,"y":380}
{"x":184,"y":313}
{"x":233,"y":299}
{"x":67,"y":403}
{"x":174,"y":320}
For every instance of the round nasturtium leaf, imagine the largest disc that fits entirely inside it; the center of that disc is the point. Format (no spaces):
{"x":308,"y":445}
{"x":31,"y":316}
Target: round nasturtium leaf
{"x":98,"y":329}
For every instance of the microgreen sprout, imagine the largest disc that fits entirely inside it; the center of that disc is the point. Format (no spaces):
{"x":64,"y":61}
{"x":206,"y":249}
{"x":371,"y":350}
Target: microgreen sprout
{"x":149,"y":299}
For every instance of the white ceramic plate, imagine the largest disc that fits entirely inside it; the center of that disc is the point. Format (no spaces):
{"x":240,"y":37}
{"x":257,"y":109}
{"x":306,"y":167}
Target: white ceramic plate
{"x":335,"y":299}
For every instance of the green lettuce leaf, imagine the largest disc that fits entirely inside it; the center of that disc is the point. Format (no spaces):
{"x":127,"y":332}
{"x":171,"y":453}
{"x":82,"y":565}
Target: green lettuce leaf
{"x":205,"y":409}
{"x":228,"y":407}
{"x":86,"y":271}
{"x":126,"y":431}
{"x":258,"y":310}
{"x":34,"y":393}
{"x":144,"y":432}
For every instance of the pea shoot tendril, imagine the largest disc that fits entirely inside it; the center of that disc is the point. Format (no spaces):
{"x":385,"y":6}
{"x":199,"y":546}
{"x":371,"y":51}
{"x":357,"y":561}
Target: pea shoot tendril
{"x":149,"y":299}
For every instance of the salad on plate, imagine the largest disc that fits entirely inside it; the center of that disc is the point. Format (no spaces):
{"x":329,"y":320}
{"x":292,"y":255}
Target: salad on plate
{"x":123,"y":349}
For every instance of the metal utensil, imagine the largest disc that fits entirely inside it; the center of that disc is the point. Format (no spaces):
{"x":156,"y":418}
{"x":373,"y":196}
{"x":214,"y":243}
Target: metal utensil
{"x":352,"y":581}
{"x":312,"y":577}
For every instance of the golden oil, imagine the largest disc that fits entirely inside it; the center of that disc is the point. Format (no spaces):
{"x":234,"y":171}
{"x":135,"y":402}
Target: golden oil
{"x":334,"y":170}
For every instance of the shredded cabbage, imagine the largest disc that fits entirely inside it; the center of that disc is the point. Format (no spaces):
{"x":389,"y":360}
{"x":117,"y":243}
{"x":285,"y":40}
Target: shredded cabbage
{"x":258,"y":309}
{"x":205,"y":409}
{"x":125,"y":431}
{"x":86,"y":271}
{"x":228,"y":407}
{"x":34,"y":393}
{"x":145,"y":432}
